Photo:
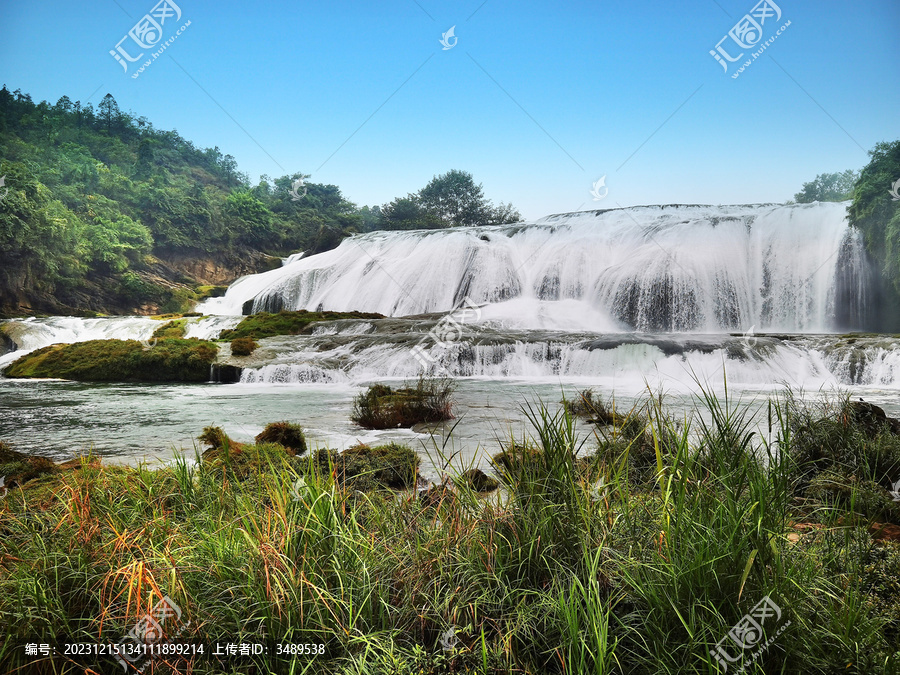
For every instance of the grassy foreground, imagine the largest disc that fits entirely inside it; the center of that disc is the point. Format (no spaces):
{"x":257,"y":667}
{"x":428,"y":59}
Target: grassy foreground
{"x":638,"y":551}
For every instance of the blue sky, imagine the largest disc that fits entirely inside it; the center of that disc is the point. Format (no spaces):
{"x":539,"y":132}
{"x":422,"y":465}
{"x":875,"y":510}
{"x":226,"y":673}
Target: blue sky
{"x":538,"y":100}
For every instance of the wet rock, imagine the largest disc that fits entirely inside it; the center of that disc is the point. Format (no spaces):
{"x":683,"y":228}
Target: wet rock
{"x":478,"y":480}
{"x":872,"y":418}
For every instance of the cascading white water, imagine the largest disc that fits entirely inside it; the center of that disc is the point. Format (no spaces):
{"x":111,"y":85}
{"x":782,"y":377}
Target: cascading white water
{"x":681,"y":268}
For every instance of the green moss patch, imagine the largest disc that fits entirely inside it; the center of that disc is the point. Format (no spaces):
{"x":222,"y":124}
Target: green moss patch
{"x":264,"y":324}
{"x":171,"y":329}
{"x":169,"y":360}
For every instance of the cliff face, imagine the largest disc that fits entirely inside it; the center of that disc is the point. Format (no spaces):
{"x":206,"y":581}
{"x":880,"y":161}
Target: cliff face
{"x":171,"y":282}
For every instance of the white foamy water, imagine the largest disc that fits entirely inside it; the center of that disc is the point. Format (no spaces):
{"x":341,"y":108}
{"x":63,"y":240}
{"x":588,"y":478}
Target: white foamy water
{"x":700,"y":268}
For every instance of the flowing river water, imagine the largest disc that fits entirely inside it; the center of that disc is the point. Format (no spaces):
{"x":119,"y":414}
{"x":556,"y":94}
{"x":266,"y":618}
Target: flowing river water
{"x":630,"y":301}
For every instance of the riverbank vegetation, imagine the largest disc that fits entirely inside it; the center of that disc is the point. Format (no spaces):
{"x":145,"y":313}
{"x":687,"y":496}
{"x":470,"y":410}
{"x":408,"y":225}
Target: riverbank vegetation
{"x":768,"y":547}
{"x":101,"y":211}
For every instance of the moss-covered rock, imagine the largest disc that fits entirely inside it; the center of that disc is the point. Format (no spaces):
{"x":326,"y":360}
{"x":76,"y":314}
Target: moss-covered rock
{"x":515,"y":457}
{"x":288,"y":435}
{"x":169,"y":360}
{"x":264,"y":324}
{"x":391,"y":466}
{"x":16,"y":468}
{"x":243,"y":346}
{"x":478,"y":480}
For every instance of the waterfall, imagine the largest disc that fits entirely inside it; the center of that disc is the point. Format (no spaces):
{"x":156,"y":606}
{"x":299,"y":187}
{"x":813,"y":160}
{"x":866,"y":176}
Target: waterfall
{"x":788,"y":268}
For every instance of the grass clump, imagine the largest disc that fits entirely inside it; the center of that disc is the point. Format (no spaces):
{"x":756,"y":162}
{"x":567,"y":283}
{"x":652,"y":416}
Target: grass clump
{"x":243,"y":346}
{"x":595,"y":410}
{"x":169,"y":360}
{"x":290,"y":436}
{"x":382,"y":407}
{"x":264,"y":324}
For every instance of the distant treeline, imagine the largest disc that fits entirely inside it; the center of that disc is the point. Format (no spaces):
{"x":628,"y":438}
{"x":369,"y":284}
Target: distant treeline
{"x":100,"y":192}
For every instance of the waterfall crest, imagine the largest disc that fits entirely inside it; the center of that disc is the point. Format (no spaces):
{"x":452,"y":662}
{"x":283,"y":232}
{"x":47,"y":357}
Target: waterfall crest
{"x":790,"y":268}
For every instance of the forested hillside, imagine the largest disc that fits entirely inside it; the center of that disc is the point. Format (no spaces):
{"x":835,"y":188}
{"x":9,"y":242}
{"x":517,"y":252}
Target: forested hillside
{"x":101,"y":211}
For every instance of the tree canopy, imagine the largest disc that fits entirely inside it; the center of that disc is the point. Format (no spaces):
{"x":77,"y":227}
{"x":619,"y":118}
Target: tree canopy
{"x":828,"y":187}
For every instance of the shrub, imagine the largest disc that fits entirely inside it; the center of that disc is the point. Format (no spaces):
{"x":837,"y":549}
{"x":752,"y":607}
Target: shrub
{"x":596,"y":410}
{"x":290,"y":436}
{"x":243,"y":346}
{"x":381,"y":407}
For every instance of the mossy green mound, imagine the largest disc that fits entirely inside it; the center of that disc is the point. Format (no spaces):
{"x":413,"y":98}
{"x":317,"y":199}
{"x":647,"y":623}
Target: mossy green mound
{"x":288,"y":435}
{"x":243,"y":346}
{"x":169,"y":360}
{"x":365,"y":468}
{"x":264,"y":324}
{"x":381,"y":407}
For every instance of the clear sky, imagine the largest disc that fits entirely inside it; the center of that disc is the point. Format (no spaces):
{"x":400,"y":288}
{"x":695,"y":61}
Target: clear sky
{"x":537,"y":99}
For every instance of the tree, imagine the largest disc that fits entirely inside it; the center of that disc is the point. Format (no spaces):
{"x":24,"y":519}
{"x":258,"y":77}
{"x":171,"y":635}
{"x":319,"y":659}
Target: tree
{"x":454,"y":199}
{"x":828,"y":187}
{"x":405,"y":213}
{"x":875,"y":211}
{"x":505,"y":213}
